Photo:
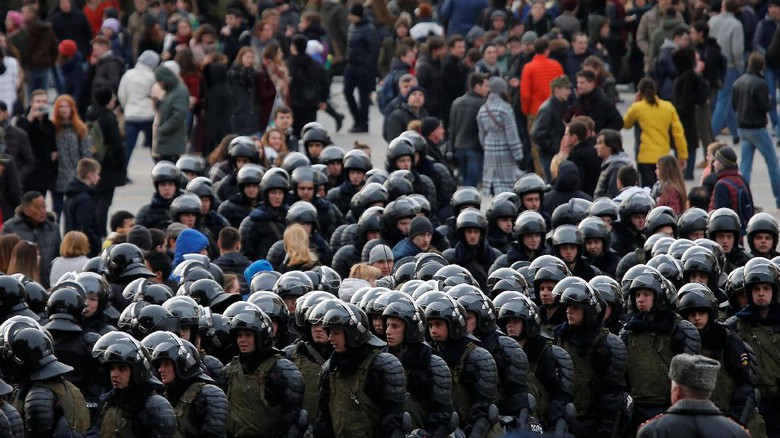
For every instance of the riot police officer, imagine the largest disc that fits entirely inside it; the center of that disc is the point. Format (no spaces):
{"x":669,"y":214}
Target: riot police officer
{"x":304,"y":183}
{"x":530,"y":230}
{"x":333,"y":157}
{"x":598,"y":251}
{"x":569,"y":245}
{"x":627,"y":235}
{"x":356,"y":164}
{"x":725,"y":228}
{"x":501,"y":214}
{"x":762,"y":235}
{"x":200,"y":406}
{"x":247,"y":196}
{"x":362,"y":390}
{"x":548,"y":272}
{"x":463,"y":198}
{"x":531,"y":189}
{"x":165,"y":177}
{"x":11,"y":423}
{"x":265,"y":224}
{"x":97,"y":309}
{"x":125,"y":264}
{"x":203,"y":188}
{"x":692,"y":224}
{"x":472,"y":250}
{"x":241,"y":151}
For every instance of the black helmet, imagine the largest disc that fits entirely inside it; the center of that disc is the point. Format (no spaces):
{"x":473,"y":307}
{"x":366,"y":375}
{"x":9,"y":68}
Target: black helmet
{"x":119,"y":348}
{"x":678,"y":248}
{"x":377,"y":175}
{"x":185,"y":358}
{"x":135,"y":287}
{"x":471,"y":218}
{"x":274,"y":307}
{"x":716,"y":249}
{"x":302,"y":212}
{"x":249,"y":174}
{"x":629,"y":276}
{"x":401,"y":208}
{"x":293,"y":284}
{"x":452,"y":312}
{"x":658,"y":217}
{"x":695,"y":296}
{"x":65,"y":310}
{"x":466,"y":197}
{"x":294,"y":160}
{"x":208,"y":292}
{"x":403,"y":273}
{"x":184,"y":308}
{"x":609,"y":291}
{"x":264,"y":281}
{"x":254,"y":320}
{"x":577,"y":292}
{"x":664,"y":295}
{"x":316,"y":314}
{"x":305,"y":304}
{"x":397,"y":187}
{"x":31,"y":350}
{"x":155,"y":293}
{"x":661,"y":246}
{"x":191,"y":163}
{"x":692,"y":219}
{"x":303,"y":174}
{"x":128,"y":319}
{"x":502,"y":205}
{"x":570,"y":213}
{"x":201,"y":187}
{"x":723,"y":220}
{"x":356,"y":160}
{"x":548,"y":268}
{"x":417,"y":140}
{"x":369,"y":296}
{"x":214,"y":335}
{"x":152,"y":340}
{"x":530,"y":222}
{"x":524,"y":309}
{"x":506,"y":296}
{"x":568,"y":235}
{"x":638,"y":203}
{"x":412,"y":315}
{"x":506,"y":279}
{"x":760,"y":270}
{"x":165,"y":171}
{"x":762,"y":223}
{"x":275,"y":180}
{"x":186,"y":203}
{"x":452,"y":275}
{"x":480,"y":305}
{"x":311,"y":125}
{"x":735,"y":285}
{"x":98,"y":265}
{"x":331,"y":153}
{"x":604,"y":207}
{"x":315,"y":133}
{"x":700,"y":259}
{"x":243,"y":146}
{"x":594,"y":228}
{"x":13,"y":297}
{"x":154,"y":318}
{"x":669,"y":267}
{"x":399,"y":147}
{"x":188,"y":271}
{"x":95,"y":284}
{"x":370,"y":220}
{"x":354,"y":322}
{"x":126,"y":263}
{"x":330,"y":280}
{"x":531,"y":183}
{"x":36,"y":296}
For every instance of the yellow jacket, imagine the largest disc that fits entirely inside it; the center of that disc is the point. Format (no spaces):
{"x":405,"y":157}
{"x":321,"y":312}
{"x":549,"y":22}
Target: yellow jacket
{"x":656,"y":121}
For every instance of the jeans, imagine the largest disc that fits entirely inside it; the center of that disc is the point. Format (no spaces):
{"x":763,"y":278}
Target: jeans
{"x":772,"y":76}
{"x":470,"y":166}
{"x":364,"y":82}
{"x":37,"y":79}
{"x":132,"y":129}
{"x":752,"y":139}
{"x":723,"y":114}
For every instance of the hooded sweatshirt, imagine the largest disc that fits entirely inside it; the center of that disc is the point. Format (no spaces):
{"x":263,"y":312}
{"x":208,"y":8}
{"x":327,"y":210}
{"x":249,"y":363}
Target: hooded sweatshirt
{"x":567,"y":186}
{"x":189,"y":242}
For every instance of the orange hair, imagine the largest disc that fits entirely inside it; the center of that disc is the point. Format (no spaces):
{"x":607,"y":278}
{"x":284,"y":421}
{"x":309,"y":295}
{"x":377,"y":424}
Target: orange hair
{"x":75,"y":120}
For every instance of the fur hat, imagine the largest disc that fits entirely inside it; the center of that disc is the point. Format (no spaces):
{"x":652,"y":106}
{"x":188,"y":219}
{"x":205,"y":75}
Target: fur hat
{"x":694,"y":371}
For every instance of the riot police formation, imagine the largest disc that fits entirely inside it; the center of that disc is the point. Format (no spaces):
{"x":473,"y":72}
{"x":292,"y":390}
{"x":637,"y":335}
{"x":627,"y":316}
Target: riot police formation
{"x":415,"y":312}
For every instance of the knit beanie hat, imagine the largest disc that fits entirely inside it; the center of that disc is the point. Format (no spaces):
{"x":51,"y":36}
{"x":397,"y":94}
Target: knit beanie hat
{"x":416,"y":88}
{"x":497,"y":85}
{"x":111,"y":23}
{"x":420,"y":225}
{"x":529,"y":37}
{"x":727,"y":156}
{"x":380,"y":253}
{"x":140,"y":236}
{"x":428,"y":125}
{"x":67,"y":48}
{"x":356,"y":10}
{"x":694,"y":371}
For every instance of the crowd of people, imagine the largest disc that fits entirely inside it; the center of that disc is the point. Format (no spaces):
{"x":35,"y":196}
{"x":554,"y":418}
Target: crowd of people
{"x":511,"y":269}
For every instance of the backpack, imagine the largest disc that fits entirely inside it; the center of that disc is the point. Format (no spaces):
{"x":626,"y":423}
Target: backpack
{"x":99,"y":148}
{"x":388,"y":91}
{"x":745,"y":208}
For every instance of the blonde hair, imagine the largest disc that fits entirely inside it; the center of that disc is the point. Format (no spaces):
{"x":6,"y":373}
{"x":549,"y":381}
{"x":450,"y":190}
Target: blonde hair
{"x":296,"y":245}
{"x":366,"y":272}
{"x":74,"y":244}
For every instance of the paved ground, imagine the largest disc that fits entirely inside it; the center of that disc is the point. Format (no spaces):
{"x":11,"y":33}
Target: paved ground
{"x":132,"y":196}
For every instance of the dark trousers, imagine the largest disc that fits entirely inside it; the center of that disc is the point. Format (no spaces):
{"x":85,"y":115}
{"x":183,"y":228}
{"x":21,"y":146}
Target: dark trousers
{"x":646,"y":174}
{"x":364,"y":82}
{"x":103,"y":200}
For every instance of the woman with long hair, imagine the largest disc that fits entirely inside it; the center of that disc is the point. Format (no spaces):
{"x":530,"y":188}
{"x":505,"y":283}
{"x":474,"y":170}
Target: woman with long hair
{"x":151,"y":36}
{"x":273,"y":80}
{"x":669,"y":190}
{"x":25,"y":260}
{"x":219,"y":161}
{"x":203,"y":42}
{"x":7,"y":244}
{"x":604,"y":78}
{"x":660,"y":125}
{"x":243,"y":85}
{"x":190,"y":76}
{"x":296,"y":244}
{"x":73,"y":254}
{"x":72,"y":143}
{"x":376,"y":12}
{"x":273,"y":144}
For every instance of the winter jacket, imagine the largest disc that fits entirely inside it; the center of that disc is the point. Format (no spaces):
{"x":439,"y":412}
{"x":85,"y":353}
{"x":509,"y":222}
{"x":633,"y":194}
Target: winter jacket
{"x":607,"y":183}
{"x":728,"y":32}
{"x":171,"y":132}
{"x":261,"y":229}
{"x":766,"y":30}
{"x":40,"y":133}
{"x":588,"y":165}
{"x":107,"y":72}
{"x":461,"y":15}
{"x":689,"y":417}
{"x":10,"y":190}
{"x":113,"y":170}
{"x":405,"y":248}
{"x":341,"y":196}
{"x":189,"y":242}
{"x":155,"y":214}
{"x":243,"y":94}
{"x":397,"y":121}
{"x":476,"y":259}
{"x":75,"y":78}
{"x":535,"y":82}
{"x":79,"y":213}
{"x":726,"y":194}
{"x":500,"y":140}
{"x":363,"y":47}
{"x":750,"y":100}
{"x":236,"y":208}
{"x":45,"y":235}
{"x":217,"y":104}
{"x":574,"y":62}
{"x":548,"y":128}
{"x":234,"y":263}
{"x":72,"y":26}
{"x":308,"y":82}
{"x":429,"y":75}
{"x":656,"y":122}
{"x":599,"y":107}
{"x":665,"y":71}
{"x":464,"y":131}
{"x":567,"y":186}
{"x":70,"y":149}
{"x":135,"y":93}
{"x":41,"y":50}
{"x":17,"y":146}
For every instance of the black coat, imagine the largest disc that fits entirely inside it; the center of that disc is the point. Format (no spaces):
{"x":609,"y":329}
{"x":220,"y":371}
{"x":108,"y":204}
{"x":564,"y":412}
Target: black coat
{"x":80,"y":211}
{"x":308,"y":82}
{"x":429,"y":76}
{"x":113,"y":170}
{"x":567,"y":186}
{"x":40,"y":133}
{"x":72,"y":26}
{"x":453,"y":84}
{"x":600,"y":108}
{"x":155,"y":214}
{"x":216,"y":103}
{"x":10,"y":189}
{"x":588,"y":164}
{"x":17,"y":146}
{"x":363,"y":47}
{"x":261,"y":229}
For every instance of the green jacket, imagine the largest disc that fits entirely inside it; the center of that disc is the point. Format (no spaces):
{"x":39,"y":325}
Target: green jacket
{"x":171,"y":133}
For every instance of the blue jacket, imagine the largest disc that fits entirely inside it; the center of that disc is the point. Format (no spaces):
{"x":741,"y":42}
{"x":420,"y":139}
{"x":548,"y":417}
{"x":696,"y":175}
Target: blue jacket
{"x":189,"y":242}
{"x":363,"y":46}
{"x":405,"y":248}
{"x":461,"y":15}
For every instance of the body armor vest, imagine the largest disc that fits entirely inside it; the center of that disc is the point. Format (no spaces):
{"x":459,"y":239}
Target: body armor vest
{"x":764,"y":340}
{"x":649,"y":357}
{"x":249,"y":413}
{"x":353,"y":413}
{"x":182,"y":410}
{"x":587,"y":388}
{"x":74,"y":406}
{"x":311,"y":372}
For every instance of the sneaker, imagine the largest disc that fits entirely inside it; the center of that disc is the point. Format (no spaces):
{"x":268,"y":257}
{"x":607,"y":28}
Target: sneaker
{"x":736,"y":141}
{"x":358,"y":129}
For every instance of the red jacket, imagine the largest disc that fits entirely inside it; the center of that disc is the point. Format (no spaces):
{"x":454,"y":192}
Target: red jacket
{"x":535,"y":82}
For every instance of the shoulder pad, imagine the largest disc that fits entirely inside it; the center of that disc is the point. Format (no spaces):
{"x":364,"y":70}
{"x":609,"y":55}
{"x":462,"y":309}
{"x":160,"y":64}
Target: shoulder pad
{"x":39,"y":411}
{"x":731,"y":323}
{"x":387,"y":363}
{"x":482,"y":359}
{"x":15,"y":420}
{"x":514,"y":353}
{"x":90,"y":338}
{"x":688,"y":338}
{"x":564,"y":366}
{"x":440,"y":370}
{"x":159,"y":417}
{"x":292,"y":380}
{"x":289,"y":351}
{"x":213,"y":401}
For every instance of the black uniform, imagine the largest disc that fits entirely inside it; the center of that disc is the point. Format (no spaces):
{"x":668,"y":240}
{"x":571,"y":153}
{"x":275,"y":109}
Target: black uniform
{"x":264,"y":226}
{"x":156,"y":214}
{"x":692,"y":418}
